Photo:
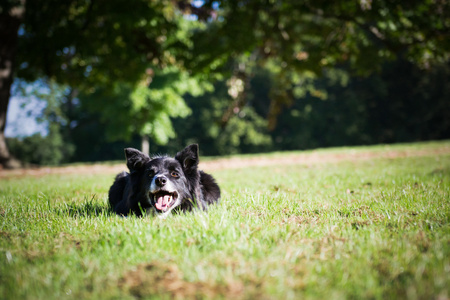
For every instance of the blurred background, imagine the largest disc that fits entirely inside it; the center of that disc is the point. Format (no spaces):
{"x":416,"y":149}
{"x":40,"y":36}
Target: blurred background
{"x":82,"y":79}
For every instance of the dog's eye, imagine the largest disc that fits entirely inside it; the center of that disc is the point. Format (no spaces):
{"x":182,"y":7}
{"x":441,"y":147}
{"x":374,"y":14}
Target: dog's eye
{"x":151,"y":173}
{"x":174,"y":174}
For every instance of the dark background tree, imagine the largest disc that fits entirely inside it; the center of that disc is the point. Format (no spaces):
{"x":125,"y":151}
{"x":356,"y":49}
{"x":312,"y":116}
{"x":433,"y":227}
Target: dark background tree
{"x":89,"y":45}
{"x":286,"y":74}
{"x":295,"y":38}
{"x":11,"y":16}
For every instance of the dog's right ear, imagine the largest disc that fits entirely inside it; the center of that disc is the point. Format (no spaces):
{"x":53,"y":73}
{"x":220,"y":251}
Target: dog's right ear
{"x":135,"y":159}
{"x":188,"y":158}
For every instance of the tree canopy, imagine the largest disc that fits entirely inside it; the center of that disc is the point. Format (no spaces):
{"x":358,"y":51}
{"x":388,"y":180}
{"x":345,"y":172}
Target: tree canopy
{"x":297,"y":40}
{"x":132,"y":64}
{"x":107,"y":49}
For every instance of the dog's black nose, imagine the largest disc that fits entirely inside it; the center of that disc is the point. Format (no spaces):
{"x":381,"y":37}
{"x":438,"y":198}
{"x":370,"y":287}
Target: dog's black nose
{"x":161,"y":181}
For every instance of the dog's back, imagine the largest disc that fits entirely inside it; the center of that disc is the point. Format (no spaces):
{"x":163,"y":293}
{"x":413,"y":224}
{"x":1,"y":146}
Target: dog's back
{"x":210,"y":189}
{"x":116,"y":192}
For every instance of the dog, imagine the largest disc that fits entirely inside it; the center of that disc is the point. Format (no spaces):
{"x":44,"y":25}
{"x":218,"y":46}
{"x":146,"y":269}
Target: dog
{"x":162,"y":184}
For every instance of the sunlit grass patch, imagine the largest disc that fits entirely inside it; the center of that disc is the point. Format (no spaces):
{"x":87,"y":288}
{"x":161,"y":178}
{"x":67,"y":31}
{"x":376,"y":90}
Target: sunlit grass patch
{"x":353,"y":229}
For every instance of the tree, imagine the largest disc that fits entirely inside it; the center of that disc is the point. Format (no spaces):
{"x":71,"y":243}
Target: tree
{"x":145,"y":109}
{"x":101,"y":46}
{"x":245,"y":131}
{"x":54,"y":147}
{"x":11,"y":16}
{"x":298,"y":39}
{"x":85,"y":45}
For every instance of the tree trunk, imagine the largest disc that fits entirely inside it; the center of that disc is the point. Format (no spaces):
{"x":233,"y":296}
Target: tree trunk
{"x":9,"y":26}
{"x":145,"y":145}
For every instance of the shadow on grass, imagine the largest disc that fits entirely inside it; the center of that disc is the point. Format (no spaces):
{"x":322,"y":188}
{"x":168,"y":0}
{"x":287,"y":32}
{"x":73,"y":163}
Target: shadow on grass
{"x":88,"y":208}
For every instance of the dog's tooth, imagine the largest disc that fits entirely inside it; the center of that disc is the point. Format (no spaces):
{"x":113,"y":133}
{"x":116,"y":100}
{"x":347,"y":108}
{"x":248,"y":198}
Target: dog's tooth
{"x":167,"y":199}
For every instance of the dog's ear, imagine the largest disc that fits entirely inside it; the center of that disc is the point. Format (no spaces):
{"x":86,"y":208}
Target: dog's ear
{"x":188,"y":158}
{"x":135,"y":159}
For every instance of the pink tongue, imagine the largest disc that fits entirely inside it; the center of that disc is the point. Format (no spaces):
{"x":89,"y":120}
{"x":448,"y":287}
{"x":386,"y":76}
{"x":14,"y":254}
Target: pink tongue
{"x":163,"y":202}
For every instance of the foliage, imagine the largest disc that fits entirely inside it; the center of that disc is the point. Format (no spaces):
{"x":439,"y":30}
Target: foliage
{"x":245,"y":132}
{"x":323,"y":227}
{"x":305,"y":37}
{"x":287,"y":74}
{"x":86,"y":44}
{"x":36,"y":149}
{"x":89,"y":43}
{"x":145,"y":109}
{"x":108,"y":53}
{"x":402,"y":103}
{"x":53,"y":147}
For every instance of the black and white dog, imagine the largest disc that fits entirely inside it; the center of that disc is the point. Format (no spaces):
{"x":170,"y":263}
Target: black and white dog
{"x":161,"y":184}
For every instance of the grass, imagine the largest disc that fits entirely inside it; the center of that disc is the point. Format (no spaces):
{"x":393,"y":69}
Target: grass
{"x":373,"y":229}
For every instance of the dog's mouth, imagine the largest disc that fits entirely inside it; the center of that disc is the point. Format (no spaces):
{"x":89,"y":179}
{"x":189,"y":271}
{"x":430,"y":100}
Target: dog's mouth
{"x":164,"y":200}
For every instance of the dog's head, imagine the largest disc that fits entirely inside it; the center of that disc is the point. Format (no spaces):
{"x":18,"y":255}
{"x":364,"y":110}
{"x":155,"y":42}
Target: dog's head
{"x":165,"y":181}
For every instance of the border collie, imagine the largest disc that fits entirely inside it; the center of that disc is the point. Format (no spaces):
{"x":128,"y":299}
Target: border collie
{"x":162,"y":184}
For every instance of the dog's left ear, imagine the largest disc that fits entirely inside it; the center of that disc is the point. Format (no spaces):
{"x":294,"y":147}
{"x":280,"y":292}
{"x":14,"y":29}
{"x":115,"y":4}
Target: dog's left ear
{"x":188,"y":158}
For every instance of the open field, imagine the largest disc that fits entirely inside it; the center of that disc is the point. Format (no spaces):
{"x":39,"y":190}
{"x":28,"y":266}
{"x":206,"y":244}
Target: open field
{"x":343,"y":223}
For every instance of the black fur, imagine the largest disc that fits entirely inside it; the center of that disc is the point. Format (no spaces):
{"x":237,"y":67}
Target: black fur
{"x":131,"y":192}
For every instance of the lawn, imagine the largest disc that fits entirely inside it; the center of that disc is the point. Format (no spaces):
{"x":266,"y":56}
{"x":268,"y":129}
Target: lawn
{"x":343,"y":223}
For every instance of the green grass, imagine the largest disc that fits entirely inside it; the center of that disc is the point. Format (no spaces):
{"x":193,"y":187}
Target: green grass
{"x":367,"y":229}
